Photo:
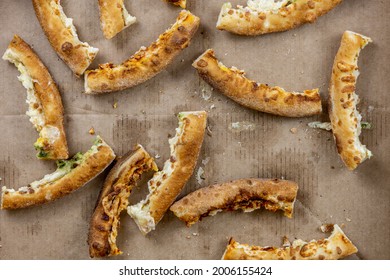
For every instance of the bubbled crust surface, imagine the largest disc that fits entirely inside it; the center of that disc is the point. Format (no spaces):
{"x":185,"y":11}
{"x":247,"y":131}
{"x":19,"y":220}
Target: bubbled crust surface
{"x":245,"y":194}
{"x":111,"y":17}
{"x":180,"y":3}
{"x":74,"y":54}
{"x":243,"y":22}
{"x":343,"y":100}
{"x":47,"y":93}
{"x":336,"y":246}
{"x":274,"y":100}
{"x":78,"y":177}
{"x":116,"y":190}
{"x":146,"y":63}
{"x":187,"y":152}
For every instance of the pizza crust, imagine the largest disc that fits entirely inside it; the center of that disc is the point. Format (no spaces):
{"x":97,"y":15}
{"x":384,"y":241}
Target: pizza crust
{"x":73,"y":174}
{"x":336,"y":246}
{"x":246,"y":194}
{"x":261,"y":18}
{"x":45,"y":105}
{"x":145,"y":63}
{"x":114,"y":17}
{"x":167,"y":184}
{"x":62,"y":36}
{"x":113,"y":199}
{"x":180,"y":3}
{"x":345,"y":118}
{"x":261,"y":97}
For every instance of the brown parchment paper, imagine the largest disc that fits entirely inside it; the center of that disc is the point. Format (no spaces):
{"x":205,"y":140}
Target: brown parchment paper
{"x":296,"y":60}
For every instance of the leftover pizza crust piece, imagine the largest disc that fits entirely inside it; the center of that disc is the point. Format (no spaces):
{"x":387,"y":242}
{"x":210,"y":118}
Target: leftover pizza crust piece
{"x":44,"y":100}
{"x":345,"y":118}
{"x":246,"y":194}
{"x":114,"y":17}
{"x":261,"y":97}
{"x":262,"y":16}
{"x":145,"y":63}
{"x":336,"y":246}
{"x":180,"y":3}
{"x":61,"y":33}
{"x":70,"y":175}
{"x":167,"y":184}
{"x":113,"y":199}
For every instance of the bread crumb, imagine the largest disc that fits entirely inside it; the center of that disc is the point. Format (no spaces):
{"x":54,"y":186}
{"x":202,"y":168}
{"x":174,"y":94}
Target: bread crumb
{"x":327,"y":228}
{"x":286,"y":242}
{"x":157,"y":156}
{"x":294,"y":130}
{"x":188,"y":237}
{"x":348,"y":219}
{"x":195,"y":234}
{"x":212,"y":107}
{"x":115,"y":105}
{"x":200,"y":176}
{"x":91,"y":131}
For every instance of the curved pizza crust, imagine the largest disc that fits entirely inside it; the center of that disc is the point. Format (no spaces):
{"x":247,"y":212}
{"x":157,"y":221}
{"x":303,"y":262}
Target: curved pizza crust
{"x":147,"y":62}
{"x":70,"y":175}
{"x":114,"y":17}
{"x":336,"y":246}
{"x":262,"y":16}
{"x":62,"y":36}
{"x":113,"y":199}
{"x":180,"y":3}
{"x":261,"y":97}
{"x":167,"y":184}
{"x":245,"y":194}
{"x":343,"y":114}
{"x":44,"y":100}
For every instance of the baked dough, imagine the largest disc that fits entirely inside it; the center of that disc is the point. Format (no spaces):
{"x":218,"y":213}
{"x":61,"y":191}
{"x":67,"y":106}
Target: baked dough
{"x":167,"y":184}
{"x":114,"y":17}
{"x":335,"y":247}
{"x":245,"y":194}
{"x":180,"y":3}
{"x":61,"y":33}
{"x":261,"y":97}
{"x":113,"y":199}
{"x":44,"y":100}
{"x":267,"y":16}
{"x":70,"y":175}
{"x":145,"y":63}
{"x":343,"y":114}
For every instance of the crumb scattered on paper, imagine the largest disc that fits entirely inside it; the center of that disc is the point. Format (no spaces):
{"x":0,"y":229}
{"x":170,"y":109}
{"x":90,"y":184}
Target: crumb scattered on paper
{"x":348,"y":219}
{"x":242,"y":126}
{"x":286,"y":242}
{"x":206,"y":94}
{"x":205,"y":161}
{"x":195,"y":234}
{"x":326,"y":228}
{"x":115,"y":105}
{"x":188,"y":237}
{"x":212,"y":107}
{"x":200,"y":175}
{"x":322,"y":125}
{"x":91,"y":131}
{"x":157,"y":156}
{"x":294,"y":130}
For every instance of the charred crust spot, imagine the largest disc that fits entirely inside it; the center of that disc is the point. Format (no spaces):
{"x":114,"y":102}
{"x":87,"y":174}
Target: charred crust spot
{"x":321,"y":257}
{"x":350,"y":141}
{"x":105,"y":217}
{"x":66,"y":47}
{"x":172,"y":159}
{"x":168,"y":50}
{"x":268,"y":249}
{"x":179,"y":41}
{"x":230,"y":12}
{"x":23,"y":192}
{"x":202,"y":63}
{"x":155,"y":62}
{"x":185,"y":201}
{"x":164,"y":176}
{"x":30,"y":190}
{"x":181,"y":29}
{"x":356,"y":159}
{"x":255,"y":86}
{"x":158,"y":183}
{"x":338,"y":250}
{"x":281,"y":197}
{"x":294,"y":258}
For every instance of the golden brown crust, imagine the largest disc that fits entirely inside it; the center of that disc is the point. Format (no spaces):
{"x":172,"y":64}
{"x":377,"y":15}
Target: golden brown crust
{"x":46,"y":91}
{"x":246,"y":194}
{"x":166,"y":185}
{"x":113,"y":199}
{"x":343,"y":114}
{"x":114,"y":17}
{"x":180,"y":3}
{"x":336,"y":246}
{"x":147,"y":62}
{"x":77,"y":55}
{"x":247,"y":21}
{"x":261,"y":97}
{"x":91,"y":166}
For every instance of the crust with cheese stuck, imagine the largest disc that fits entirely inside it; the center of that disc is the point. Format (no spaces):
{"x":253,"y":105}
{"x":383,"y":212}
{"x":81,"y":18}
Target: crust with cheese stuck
{"x":114,"y":17}
{"x":261,"y":97}
{"x":336,"y":246}
{"x":266,"y":16}
{"x":345,"y":118}
{"x":145,"y":63}
{"x":246,"y":194}
{"x":44,"y":100}
{"x":167,"y":184}
{"x":180,"y":3}
{"x":70,"y":175}
{"x":113,"y":199}
{"x":61,"y":33}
